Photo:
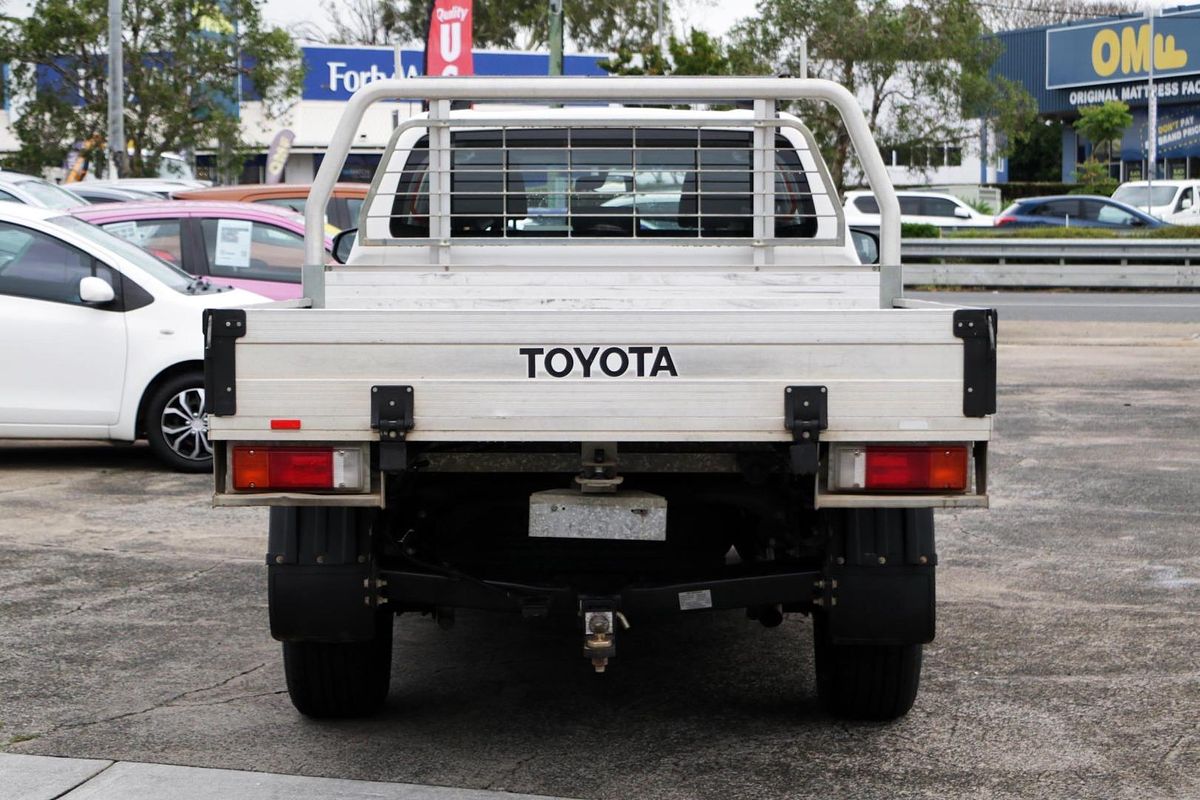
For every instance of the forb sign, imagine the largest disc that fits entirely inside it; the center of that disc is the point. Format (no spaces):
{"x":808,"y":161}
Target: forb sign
{"x":1116,"y":52}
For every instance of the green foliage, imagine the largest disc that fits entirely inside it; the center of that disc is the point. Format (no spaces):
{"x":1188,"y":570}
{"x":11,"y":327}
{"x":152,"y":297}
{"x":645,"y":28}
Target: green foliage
{"x":1101,"y":124}
{"x":698,"y":54}
{"x":1060,"y":232}
{"x":982,"y":206}
{"x":181,"y":77}
{"x":919,"y":230}
{"x":908,"y":63}
{"x":610,"y":25}
{"x":1038,"y":155}
{"x":1093,"y":177}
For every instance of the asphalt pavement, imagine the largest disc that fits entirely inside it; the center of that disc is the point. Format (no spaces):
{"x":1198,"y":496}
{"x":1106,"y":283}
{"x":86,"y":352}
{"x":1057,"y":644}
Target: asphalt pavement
{"x":1066,"y":306}
{"x":133,"y":629}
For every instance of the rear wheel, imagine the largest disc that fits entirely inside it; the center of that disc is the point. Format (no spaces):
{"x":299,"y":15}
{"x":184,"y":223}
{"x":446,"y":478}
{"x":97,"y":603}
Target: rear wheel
{"x":176,"y":426}
{"x":340,"y":679}
{"x":870,"y":682}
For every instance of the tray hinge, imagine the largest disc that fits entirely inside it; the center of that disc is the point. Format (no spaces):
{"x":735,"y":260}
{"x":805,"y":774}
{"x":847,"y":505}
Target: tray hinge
{"x":977,"y":328}
{"x":222,"y":328}
{"x":392,"y":416}
{"x":805,"y":413}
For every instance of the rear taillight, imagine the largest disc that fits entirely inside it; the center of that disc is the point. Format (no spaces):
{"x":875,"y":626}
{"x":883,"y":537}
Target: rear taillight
{"x":900,"y":468}
{"x":1005,"y":220}
{"x":256,"y":468}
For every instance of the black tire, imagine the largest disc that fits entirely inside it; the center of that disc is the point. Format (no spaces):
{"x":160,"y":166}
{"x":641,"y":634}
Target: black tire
{"x":867,"y":682}
{"x":340,"y":679}
{"x":175,"y":425}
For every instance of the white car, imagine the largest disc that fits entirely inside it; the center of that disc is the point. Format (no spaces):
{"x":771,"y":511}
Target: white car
{"x":101,"y":340}
{"x":1170,"y":201}
{"x":926,"y":208}
{"x":17,"y":187}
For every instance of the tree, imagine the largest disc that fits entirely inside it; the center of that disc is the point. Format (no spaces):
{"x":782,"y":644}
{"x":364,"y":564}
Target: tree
{"x":607,"y":25}
{"x":920,"y":70}
{"x":1014,"y":14}
{"x":698,"y":54}
{"x":367,"y":22}
{"x":1100,"y":125}
{"x":187,"y":63}
{"x":1039,"y":158}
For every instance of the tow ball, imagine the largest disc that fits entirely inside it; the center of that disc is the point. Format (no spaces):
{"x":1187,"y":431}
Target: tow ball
{"x":600,"y":636}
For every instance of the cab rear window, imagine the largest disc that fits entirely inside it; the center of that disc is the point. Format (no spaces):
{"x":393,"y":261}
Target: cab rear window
{"x":603,"y":183}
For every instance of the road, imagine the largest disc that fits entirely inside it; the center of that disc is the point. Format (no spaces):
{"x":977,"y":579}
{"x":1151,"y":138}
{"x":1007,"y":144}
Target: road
{"x":133,"y":627}
{"x":1159,"y":307}
{"x":1079,"y":306}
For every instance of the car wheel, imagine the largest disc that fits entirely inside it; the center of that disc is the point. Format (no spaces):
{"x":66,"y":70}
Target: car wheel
{"x":867,"y":682}
{"x":340,"y":679}
{"x":176,"y":425}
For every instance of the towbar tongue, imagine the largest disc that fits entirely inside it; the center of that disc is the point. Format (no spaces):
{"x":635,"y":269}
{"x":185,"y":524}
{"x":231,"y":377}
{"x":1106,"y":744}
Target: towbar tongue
{"x":600,"y":620}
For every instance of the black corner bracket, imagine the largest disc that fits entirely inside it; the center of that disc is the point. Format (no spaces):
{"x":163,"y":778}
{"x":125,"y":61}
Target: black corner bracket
{"x":392,"y":416}
{"x":805,"y":413}
{"x":222,"y":328}
{"x":977,"y":328}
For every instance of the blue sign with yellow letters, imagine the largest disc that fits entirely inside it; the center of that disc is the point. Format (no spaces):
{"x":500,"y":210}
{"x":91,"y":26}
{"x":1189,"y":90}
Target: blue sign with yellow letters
{"x":1120,"y":51}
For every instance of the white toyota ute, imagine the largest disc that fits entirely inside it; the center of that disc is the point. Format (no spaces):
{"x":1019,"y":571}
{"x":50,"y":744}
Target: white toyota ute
{"x":600,"y":352}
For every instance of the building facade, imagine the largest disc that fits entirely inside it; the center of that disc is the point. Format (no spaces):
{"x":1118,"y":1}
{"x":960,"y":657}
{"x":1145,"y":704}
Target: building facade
{"x":1071,"y":66}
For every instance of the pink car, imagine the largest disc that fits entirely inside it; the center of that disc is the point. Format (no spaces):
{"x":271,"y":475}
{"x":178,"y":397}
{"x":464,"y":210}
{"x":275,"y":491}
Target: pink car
{"x":248,"y":245}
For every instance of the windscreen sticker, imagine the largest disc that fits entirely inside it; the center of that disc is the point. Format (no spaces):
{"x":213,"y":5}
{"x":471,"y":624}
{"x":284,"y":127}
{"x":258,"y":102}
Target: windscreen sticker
{"x":233,"y":243}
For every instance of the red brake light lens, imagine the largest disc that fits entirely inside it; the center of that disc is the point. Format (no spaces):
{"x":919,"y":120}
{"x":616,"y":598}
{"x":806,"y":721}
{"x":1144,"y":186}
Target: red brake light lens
{"x":1005,"y":220}
{"x":916,"y":468}
{"x":282,"y":468}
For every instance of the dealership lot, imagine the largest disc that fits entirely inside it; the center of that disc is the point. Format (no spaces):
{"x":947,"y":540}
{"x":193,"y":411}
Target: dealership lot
{"x":133,"y":628}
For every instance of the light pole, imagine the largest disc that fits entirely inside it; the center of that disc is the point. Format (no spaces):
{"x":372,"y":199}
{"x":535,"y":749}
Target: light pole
{"x":556,"y":37}
{"x":116,"y":91}
{"x":1151,"y":114}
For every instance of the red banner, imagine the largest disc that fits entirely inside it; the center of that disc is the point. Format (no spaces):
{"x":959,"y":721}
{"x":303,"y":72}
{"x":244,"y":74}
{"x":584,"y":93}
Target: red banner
{"x":448,"y":42}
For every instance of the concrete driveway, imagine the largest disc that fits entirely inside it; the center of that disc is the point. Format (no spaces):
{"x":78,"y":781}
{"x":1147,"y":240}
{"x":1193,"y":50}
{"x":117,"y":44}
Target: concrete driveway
{"x":133,"y":627}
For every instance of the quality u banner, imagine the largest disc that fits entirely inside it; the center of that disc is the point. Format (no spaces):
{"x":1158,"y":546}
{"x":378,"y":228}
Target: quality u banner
{"x":448,"y":40}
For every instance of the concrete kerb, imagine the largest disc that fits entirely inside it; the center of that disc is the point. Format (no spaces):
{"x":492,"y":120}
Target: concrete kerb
{"x":47,"y":778}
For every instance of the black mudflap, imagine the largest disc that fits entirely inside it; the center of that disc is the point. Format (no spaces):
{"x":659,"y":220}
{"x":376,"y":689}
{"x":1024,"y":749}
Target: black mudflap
{"x":319,"y":574}
{"x":879,"y":584}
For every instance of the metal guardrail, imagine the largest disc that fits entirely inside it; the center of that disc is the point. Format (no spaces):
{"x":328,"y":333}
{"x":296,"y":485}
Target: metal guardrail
{"x":1046,"y":263}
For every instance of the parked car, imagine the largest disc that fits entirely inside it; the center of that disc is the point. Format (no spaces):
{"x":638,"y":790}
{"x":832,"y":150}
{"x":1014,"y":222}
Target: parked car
{"x":923,"y":208}
{"x":1171,"y":201}
{"x":163,"y":188}
{"x":253,"y":247}
{"x":97,"y":194}
{"x":342,"y":212}
{"x":1075,"y":210}
{"x":16,"y":187}
{"x":101,"y":340}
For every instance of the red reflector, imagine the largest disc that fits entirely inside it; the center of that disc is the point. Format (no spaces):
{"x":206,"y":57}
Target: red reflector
{"x":285,"y":424}
{"x":900,"y":467}
{"x":282,"y":468}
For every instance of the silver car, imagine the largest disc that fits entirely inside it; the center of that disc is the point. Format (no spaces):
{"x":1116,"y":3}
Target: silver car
{"x":16,"y":187}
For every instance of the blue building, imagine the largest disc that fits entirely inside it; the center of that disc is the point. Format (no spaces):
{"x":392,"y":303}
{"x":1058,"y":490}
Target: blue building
{"x":1069,"y":66}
